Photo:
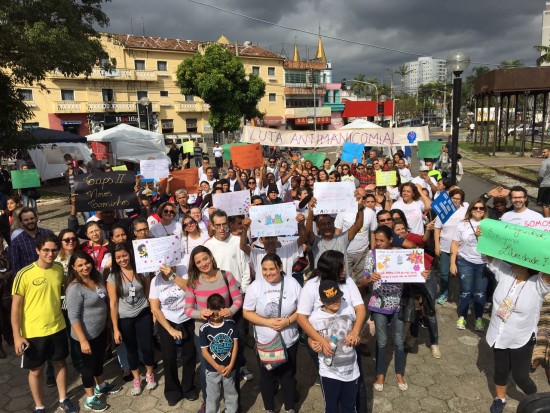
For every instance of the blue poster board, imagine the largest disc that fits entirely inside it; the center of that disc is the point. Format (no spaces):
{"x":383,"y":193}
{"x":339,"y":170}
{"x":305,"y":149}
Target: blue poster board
{"x":352,"y":150}
{"x":443,"y":206}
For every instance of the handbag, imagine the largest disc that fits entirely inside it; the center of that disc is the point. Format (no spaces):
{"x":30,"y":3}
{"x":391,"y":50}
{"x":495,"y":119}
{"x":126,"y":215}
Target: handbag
{"x":273,"y":354}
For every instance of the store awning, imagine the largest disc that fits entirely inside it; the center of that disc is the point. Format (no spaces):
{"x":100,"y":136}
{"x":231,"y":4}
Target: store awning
{"x":364,"y":108}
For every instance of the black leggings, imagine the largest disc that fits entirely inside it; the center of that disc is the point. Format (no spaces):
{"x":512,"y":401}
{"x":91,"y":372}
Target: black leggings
{"x":517,"y":361}
{"x":92,"y":364}
{"x":138,"y":329}
{"x":286,"y":375}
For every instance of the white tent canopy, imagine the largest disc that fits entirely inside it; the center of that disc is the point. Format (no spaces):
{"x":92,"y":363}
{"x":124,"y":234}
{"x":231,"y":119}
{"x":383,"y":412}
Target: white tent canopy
{"x":132,"y":144}
{"x":48,"y":157}
{"x":360,"y":124}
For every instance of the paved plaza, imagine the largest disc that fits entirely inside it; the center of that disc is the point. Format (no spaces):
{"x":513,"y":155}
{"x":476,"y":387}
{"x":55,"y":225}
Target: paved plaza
{"x":461,"y":381}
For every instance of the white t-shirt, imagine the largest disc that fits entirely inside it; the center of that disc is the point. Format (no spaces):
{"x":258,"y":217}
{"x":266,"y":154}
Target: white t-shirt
{"x":527,"y":298}
{"x":288,"y":253}
{"x":231,"y":258}
{"x":171,"y":297}
{"x":466,"y":236}
{"x":521,"y":218}
{"x":263,"y":298}
{"x":424,"y":184}
{"x":345,"y":220}
{"x":448,"y":228}
{"x":158,"y":230}
{"x":413,"y":213}
{"x":406,"y":175}
{"x":218,"y":152}
{"x":309,"y":298}
{"x":344,"y":365}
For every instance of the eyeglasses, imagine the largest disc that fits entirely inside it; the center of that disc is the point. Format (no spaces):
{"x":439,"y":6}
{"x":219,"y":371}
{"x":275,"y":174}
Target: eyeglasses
{"x":71,"y":239}
{"x":311,"y":179}
{"x":384,"y":219}
{"x":454,"y":198}
{"x":188,"y":223}
{"x":169,"y":211}
{"x":141,"y":230}
{"x":478,"y":208}
{"x":48,"y":251}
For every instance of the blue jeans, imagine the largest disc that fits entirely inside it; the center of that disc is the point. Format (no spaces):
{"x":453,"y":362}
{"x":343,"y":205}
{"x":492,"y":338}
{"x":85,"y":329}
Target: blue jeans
{"x":444,"y":266}
{"x":472,"y":285}
{"x":381,"y":322}
{"x":27,"y":201}
{"x":202,"y":367}
{"x":216,"y":385}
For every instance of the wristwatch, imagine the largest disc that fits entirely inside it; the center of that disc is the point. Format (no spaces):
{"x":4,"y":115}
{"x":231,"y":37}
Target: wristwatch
{"x":172,"y":277}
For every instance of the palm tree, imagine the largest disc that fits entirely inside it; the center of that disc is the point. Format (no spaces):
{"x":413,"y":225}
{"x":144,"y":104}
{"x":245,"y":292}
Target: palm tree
{"x":403,"y":71}
{"x":510,"y":64}
{"x":545,"y":54}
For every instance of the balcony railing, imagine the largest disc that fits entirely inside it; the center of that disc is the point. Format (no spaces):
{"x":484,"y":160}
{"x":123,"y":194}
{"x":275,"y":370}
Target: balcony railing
{"x":192,"y":107}
{"x":67,"y":106}
{"x":115,"y":107}
{"x":114,"y":74}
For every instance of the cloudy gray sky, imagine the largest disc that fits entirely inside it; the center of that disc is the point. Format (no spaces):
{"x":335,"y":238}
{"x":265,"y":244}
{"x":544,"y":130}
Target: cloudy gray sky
{"x":489,"y":30}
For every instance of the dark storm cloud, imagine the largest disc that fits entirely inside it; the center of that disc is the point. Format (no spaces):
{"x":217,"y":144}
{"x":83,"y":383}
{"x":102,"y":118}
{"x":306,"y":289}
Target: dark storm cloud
{"x":490,"y":30}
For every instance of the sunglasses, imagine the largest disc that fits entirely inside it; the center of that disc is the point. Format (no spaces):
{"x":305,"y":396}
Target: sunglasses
{"x":476,"y":208}
{"x":169,"y":211}
{"x":70,"y":239}
{"x":189,"y":223}
{"x":385,"y":220}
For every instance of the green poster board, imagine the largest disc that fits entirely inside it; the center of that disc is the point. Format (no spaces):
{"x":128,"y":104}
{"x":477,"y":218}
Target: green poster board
{"x":429,"y":149}
{"x":188,"y":147}
{"x":120,"y":168}
{"x":227,"y":149}
{"x":316,"y":158}
{"x":25,"y":178}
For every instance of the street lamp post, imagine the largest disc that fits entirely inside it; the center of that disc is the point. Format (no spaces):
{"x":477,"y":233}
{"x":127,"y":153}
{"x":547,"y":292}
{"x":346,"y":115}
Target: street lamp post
{"x":457,"y":62}
{"x":145,"y":103}
{"x":383,"y":99}
{"x":367,"y":83}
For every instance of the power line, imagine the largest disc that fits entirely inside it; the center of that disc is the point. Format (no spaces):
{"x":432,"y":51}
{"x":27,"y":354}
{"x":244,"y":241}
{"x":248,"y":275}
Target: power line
{"x":339,"y":39}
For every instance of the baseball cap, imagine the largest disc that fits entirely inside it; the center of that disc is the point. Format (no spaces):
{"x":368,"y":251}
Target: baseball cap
{"x":329,"y":291}
{"x":424,"y":168}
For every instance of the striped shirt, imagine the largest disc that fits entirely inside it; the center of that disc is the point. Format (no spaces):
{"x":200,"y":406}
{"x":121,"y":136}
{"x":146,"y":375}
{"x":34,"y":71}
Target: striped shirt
{"x":23,"y":249}
{"x":195,"y":298}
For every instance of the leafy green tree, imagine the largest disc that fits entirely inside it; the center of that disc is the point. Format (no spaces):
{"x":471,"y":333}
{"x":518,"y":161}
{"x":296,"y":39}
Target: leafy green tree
{"x":403,"y":71}
{"x":510,"y":64}
{"x":218,"y":77}
{"x":38,"y":37}
{"x":545,"y":54}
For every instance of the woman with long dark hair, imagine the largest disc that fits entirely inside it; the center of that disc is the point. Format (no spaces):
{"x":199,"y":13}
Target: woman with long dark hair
{"x":193,"y":236}
{"x":270,"y":305}
{"x":130,"y":314}
{"x":87,"y":309}
{"x":97,"y":246}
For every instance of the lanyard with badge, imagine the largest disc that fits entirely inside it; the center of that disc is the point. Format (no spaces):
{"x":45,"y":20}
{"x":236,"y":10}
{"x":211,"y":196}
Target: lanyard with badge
{"x":506,"y":308}
{"x":131,"y":289}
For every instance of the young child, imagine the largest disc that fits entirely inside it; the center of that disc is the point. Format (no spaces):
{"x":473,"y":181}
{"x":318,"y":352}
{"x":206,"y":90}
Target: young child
{"x":219,"y":345}
{"x":339,"y":373}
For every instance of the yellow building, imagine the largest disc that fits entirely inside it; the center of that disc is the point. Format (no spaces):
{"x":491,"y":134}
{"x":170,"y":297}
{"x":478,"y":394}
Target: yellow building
{"x":141,"y":67}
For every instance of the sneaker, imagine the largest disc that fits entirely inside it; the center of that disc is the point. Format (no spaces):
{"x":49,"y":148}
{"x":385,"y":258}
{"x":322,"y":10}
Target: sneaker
{"x":318,"y":381}
{"x":202,"y":409}
{"x":136,"y":390}
{"x":480,"y":326}
{"x":436,"y":353}
{"x":290,"y":411}
{"x":497,"y":406}
{"x":442,"y":299}
{"x":461,"y":323}
{"x":151,"y":383}
{"x":108,"y":388}
{"x":246,"y":374}
{"x":191,"y":395}
{"x":97,"y":405}
{"x":67,"y":406}
{"x":41,"y":410}
{"x":50,"y":382}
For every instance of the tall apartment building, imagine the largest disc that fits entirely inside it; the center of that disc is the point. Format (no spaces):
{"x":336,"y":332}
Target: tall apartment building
{"x":546,"y":28}
{"x":140,"y":67}
{"x":422,"y":71}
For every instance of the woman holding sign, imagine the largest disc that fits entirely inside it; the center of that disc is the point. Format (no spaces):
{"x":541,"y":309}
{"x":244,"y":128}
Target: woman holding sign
{"x":97,"y":246}
{"x":467,"y":263}
{"x":517,"y":302}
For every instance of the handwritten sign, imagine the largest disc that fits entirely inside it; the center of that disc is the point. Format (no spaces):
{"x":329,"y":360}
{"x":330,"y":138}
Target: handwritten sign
{"x":386,"y":178}
{"x":325,"y":138}
{"x":105,"y":191}
{"x":186,"y":178}
{"x":273,"y":220}
{"x":25,"y":178}
{"x":517,"y":244}
{"x":443,"y":206}
{"x":152,"y":252}
{"x":226,"y":156}
{"x":120,"y":168}
{"x":400,"y":266}
{"x":543,"y":224}
{"x":154,"y":168}
{"x":351,"y":151}
{"x":334,"y":197}
{"x":429,"y":149}
{"x":316,"y":158}
{"x":247,"y":156}
{"x":233,"y":203}
{"x":188,"y":147}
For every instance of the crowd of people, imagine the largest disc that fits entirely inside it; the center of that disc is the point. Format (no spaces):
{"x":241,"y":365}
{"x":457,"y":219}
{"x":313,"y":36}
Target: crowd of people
{"x":78,"y":293}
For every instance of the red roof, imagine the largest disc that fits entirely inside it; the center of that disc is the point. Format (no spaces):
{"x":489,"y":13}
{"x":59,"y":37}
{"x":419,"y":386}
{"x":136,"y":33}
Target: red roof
{"x":363,"y":108}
